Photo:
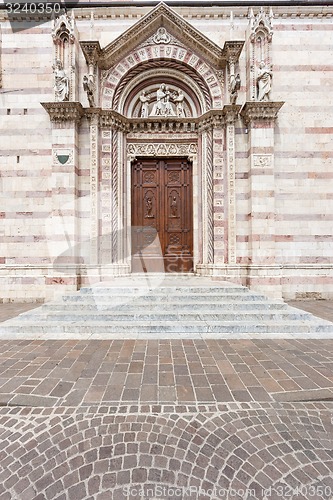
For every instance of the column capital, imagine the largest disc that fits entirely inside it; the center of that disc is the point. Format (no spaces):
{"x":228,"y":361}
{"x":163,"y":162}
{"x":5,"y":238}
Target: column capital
{"x":258,"y":110}
{"x":231,"y":112}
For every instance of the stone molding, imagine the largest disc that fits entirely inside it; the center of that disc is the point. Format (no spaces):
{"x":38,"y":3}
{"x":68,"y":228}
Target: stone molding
{"x":164,"y":16}
{"x":255,"y":110}
{"x":64,"y":111}
{"x":176,"y":26}
{"x":74,"y":111}
{"x":161,"y":149}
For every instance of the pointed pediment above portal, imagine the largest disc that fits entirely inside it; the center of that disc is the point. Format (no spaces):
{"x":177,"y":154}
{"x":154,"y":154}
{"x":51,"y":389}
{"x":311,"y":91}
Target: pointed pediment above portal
{"x":162,"y":25}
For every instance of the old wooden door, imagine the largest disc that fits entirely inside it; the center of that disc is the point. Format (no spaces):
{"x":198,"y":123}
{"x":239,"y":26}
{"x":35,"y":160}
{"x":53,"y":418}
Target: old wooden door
{"x":162,"y":234}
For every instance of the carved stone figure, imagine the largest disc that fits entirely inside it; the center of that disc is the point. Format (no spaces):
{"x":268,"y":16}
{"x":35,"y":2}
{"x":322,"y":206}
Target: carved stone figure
{"x":264,"y":82}
{"x":163,"y":106}
{"x":145,"y":104}
{"x":179,"y":100}
{"x":234,"y":88}
{"x":61,"y":82}
{"x":162,"y":36}
{"x":89,"y":88}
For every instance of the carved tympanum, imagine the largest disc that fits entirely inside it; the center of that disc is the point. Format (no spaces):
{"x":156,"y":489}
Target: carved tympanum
{"x":164,"y":103}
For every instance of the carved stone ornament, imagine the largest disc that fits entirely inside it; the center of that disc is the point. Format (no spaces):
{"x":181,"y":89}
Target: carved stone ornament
{"x":89,"y":87}
{"x":64,"y":111}
{"x":262,"y":161}
{"x":164,"y":104}
{"x":261,"y":22}
{"x":161,"y":36}
{"x":165,"y":17}
{"x":252,"y":111}
{"x":162,"y":149}
{"x":92,"y":51}
{"x":63,"y":26}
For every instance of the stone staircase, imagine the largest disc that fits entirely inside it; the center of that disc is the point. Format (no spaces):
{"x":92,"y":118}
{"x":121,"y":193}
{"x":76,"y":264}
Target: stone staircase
{"x":161,"y":309}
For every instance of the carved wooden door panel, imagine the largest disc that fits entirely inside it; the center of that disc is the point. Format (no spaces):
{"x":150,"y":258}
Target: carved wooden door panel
{"x":162,"y":235}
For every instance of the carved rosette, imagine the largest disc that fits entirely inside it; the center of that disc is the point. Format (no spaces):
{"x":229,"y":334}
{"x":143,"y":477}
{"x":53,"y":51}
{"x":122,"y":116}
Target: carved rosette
{"x":64,"y":111}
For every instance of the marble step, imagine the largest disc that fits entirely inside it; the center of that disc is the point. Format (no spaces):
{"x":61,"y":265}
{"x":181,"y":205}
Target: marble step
{"x":162,"y":298}
{"x":137,"y":305}
{"x":162,"y":327}
{"x":162,"y":316}
{"x":163,"y":290}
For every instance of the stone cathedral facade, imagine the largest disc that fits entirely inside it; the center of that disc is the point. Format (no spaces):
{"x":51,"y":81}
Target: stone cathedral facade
{"x":159,"y":139}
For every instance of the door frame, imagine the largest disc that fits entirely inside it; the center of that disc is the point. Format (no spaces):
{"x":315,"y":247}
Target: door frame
{"x":185,"y":150}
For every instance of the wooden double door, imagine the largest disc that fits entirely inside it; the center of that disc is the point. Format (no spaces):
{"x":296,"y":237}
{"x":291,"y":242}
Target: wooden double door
{"x":162,"y":215}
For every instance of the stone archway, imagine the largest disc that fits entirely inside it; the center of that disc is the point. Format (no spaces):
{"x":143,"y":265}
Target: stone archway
{"x":161,"y":47}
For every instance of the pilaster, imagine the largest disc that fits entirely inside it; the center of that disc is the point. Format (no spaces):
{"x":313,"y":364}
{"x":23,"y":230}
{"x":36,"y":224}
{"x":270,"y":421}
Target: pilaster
{"x":259,"y":118}
{"x":63,"y":231}
{"x":231,"y":114}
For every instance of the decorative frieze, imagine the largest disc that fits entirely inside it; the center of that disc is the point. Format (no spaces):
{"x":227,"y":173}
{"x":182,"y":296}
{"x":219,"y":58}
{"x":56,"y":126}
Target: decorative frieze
{"x":161,"y":149}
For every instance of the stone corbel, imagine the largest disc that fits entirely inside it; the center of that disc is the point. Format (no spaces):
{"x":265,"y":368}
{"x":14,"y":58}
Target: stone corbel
{"x":64,"y":111}
{"x":92,"y":52}
{"x":254,"y":110}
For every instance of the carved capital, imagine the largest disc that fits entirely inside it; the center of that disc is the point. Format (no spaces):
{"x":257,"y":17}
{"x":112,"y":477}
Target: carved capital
{"x":113,"y":120}
{"x":64,"y":111}
{"x":232,"y":50}
{"x":231,"y":112}
{"x":254,"y":110}
{"x":92,"y":51}
{"x":93,"y":115}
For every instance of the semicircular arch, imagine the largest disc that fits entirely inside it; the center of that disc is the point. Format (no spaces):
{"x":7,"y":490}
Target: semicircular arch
{"x":195,"y":99}
{"x":116,"y":78}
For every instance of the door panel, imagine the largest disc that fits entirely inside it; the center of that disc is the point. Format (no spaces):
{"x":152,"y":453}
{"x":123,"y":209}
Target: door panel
{"x":162,"y":236}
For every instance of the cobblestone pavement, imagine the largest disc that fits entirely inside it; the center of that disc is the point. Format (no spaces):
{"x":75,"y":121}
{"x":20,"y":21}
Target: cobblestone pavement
{"x":201,"y":451}
{"x":166,"y":419}
{"x":123,"y":419}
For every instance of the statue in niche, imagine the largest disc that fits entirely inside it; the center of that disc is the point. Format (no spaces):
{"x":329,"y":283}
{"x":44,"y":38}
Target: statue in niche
{"x":149,"y":207}
{"x":178,"y":98}
{"x":89,"y":88}
{"x":61,"y":82}
{"x":264,"y":82}
{"x":234,"y":88}
{"x":145,"y":104}
{"x":174,"y":207}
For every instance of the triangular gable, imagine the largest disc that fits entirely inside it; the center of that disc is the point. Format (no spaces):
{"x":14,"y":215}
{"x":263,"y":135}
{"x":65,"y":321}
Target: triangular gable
{"x":162,"y":16}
